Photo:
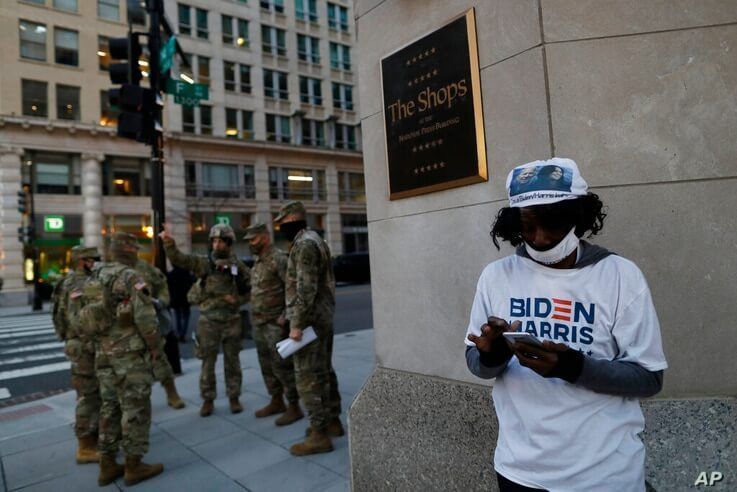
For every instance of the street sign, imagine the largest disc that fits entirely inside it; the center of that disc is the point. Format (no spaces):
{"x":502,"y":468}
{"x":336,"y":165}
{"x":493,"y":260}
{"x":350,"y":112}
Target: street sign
{"x":223,"y":219}
{"x":166,"y":55}
{"x":54,"y":223}
{"x":187,"y":94}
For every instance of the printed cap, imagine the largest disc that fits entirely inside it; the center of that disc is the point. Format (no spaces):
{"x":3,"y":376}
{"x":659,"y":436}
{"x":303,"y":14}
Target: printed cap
{"x":254,"y":230}
{"x":293,"y":207}
{"x":124,"y":239}
{"x":82,"y":252}
{"x":545,"y":182}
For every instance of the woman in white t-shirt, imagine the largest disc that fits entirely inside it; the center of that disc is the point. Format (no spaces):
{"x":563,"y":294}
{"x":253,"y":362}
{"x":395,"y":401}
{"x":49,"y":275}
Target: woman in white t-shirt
{"x":569,"y":413}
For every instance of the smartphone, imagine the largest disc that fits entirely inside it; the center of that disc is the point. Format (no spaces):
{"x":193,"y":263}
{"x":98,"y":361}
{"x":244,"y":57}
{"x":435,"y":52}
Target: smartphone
{"x":528,"y":338}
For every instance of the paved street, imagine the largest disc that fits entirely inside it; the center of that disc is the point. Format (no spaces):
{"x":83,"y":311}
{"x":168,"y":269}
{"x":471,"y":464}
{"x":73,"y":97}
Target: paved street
{"x":32,"y":359}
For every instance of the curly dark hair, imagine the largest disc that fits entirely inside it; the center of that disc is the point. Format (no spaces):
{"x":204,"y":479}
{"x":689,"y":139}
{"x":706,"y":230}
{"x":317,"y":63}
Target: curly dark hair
{"x":585,"y":212}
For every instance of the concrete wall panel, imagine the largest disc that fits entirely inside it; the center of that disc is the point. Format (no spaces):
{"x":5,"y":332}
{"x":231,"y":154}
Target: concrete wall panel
{"x":508,"y":27}
{"x":576,"y":19}
{"x":649,"y":108}
{"x":516,"y":131}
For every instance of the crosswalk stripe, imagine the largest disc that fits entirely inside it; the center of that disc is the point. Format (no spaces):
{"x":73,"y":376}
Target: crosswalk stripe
{"x":24,"y":334}
{"x":32,"y":348}
{"x":26,"y":328}
{"x":33,"y":371}
{"x":15,"y":326}
{"x":32,"y":358}
{"x":4,"y":393}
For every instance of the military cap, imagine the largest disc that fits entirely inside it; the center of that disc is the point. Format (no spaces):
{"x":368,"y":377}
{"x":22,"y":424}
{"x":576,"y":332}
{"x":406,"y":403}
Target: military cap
{"x":82,"y":252}
{"x":293,"y":207}
{"x":254,"y":230}
{"x":124,"y":239}
{"x":222,"y":231}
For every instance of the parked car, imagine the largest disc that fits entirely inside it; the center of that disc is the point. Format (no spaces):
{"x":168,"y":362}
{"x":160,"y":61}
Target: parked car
{"x":352,"y":268}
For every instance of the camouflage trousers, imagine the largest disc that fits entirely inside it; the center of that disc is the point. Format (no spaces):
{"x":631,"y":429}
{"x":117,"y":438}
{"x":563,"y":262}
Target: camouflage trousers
{"x":317,"y":383}
{"x":162,"y":369}
{"x":125,"y":415}
{"x":84,"y":380}
{"x":210,"y":335}
{"x":278,"y":373}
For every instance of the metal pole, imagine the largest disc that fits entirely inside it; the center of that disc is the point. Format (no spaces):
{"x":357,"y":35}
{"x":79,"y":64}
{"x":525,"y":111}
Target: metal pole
{"x":156,"y":11}
{"x":37,"y":301}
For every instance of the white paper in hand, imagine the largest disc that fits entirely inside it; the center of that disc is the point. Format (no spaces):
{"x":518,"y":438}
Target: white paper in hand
{"x":288,"y":346}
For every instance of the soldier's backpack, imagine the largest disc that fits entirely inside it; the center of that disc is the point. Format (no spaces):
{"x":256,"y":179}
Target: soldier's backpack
{"x":99,"y":305}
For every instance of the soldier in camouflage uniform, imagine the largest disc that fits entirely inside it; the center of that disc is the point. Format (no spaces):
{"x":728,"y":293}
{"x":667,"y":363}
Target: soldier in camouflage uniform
{"x":80,"y":350}
{"x":310,"y":298}
{"x":223,"y":285}
{"x":159,"y":291}
{"x":119,"y":312}
{"x":269,"y":324}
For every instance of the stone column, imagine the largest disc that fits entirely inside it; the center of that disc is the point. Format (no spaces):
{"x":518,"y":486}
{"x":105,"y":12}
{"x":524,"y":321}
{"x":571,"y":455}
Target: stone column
{"x":263,"y":195}
{"x":92,"y":199}
{"x":14,"y":291}
{"x":175,"y":196}
{"x":333,"y":227}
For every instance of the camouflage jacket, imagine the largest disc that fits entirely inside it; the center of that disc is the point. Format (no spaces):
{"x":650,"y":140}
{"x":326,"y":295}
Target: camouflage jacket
{"x":310,"y":286}
{"x":118,"y":310}
{"x":155,"y":280}
{"x":268,"y":276}
{"x":215,"y":280}
{"x":67,"y":304}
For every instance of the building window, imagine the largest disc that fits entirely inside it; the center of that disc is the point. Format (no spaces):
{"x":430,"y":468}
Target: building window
{"x":229,"y":76}
{"x":35,"y":98}
{"x":245,"y":82}
{"x":188,"y":124}
{"x":185,"y":19}
{"x":203,"y":70}
{"x":297,"y":184}
{"x":337,"y":17}
{"x":66,"y":47}
{"x":231,"y":123}
{"x":351,"y":187}
{"x":313,"y":133}
{"x":342,"y":96}
{"x":205,"y":120}
{"x":273,"y":5}
{"x":202,"y":31}
{"x":37,"y":2}
{"x":306,"y":10}
{"x":273,"y":40}
{"x":103,"y":52}
{"x":108,"y":9}
{"x":310,"y":91}
{"x":190,"y":178}
{"x":238,"y":129}
{"x":354,"y":228}
{"x":275,"y":84}
{"x":345,"y":136}
{"x":32,"y":40}
{"x":68,"y":5}
{"x":67,"y":102}
{"x":242,"y":39}
{"x":124,"y":176}
{"x":340,"y":56}
{"x":227,"y":29}
{"x":108,"y":114}
{"x":55,"y":173}
{"x":308,"y":48}
{"x":229,"y":37}
{"x":249,"y":182}
{"x":220,"y":180}
{"x":247,"y":125}
{"x":278,"y":128}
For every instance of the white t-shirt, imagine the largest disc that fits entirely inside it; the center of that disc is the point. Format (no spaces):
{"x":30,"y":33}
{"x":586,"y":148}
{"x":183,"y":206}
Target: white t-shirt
{"x":553,"y":434}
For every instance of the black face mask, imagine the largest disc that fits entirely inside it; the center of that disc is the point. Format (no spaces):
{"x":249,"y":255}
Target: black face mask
{"x":220,"y":254}
{"x":291,"y":229}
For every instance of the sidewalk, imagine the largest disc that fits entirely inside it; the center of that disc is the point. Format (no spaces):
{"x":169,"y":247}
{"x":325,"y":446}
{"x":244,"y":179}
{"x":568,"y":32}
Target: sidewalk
{"x":223,"y":452}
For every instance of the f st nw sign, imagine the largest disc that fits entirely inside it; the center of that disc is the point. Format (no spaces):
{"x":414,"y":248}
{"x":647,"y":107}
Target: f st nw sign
{"x":433,"y":116}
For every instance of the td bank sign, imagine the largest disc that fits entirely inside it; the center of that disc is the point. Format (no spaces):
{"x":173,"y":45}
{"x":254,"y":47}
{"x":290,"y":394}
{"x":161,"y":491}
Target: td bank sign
{"x":54,"y":223}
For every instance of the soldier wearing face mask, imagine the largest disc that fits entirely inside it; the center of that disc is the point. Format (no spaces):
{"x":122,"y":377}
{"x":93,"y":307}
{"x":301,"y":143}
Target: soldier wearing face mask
{"x":80,"y":350}
{"x":270,"y":325}
{"x":310,"y":300}
{"x":224,"y":284}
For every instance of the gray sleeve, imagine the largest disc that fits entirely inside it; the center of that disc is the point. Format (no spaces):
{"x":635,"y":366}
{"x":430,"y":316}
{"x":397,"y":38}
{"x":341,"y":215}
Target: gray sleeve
{"x":475,"y":365}
{"x":618,"y":378}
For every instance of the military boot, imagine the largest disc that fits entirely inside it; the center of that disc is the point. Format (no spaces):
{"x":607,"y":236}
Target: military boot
{"x":172,"y":397}
{"x":87,"y":450}
{"x":275,"y":406}
{"x":334,"y":428}
{"x":293,"y":414}
{"x":207,"y":408}
{"x":138,"y":471}
{"x":316,"y":442}
{"x":109,"y":470}
{"x":235,"y":405}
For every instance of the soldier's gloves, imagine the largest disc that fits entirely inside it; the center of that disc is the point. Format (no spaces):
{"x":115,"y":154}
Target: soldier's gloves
{"x":569,"y":366}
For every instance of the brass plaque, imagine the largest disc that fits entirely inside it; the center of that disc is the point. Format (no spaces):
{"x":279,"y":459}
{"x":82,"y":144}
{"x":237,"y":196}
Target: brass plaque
{"x":433,"y":117}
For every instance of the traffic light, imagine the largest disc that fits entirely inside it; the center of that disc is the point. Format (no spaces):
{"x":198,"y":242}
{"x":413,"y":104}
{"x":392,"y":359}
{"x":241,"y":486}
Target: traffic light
{"x":26,"y":234}
{"x":23,"y":201}
{"x":129,"y":49}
